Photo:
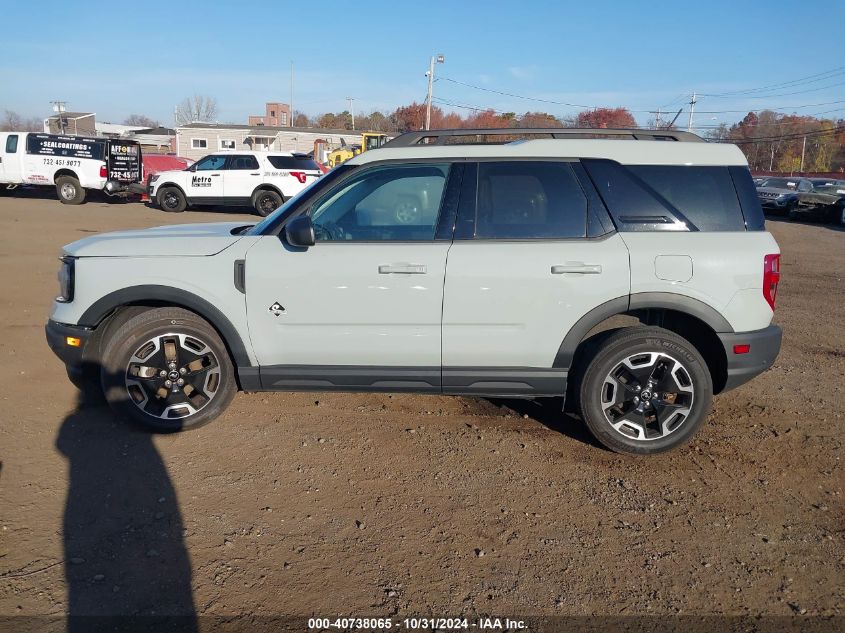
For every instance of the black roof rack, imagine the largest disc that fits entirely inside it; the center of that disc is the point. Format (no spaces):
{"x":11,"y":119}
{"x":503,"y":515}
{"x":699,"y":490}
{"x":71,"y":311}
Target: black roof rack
{"x":464,"y":137}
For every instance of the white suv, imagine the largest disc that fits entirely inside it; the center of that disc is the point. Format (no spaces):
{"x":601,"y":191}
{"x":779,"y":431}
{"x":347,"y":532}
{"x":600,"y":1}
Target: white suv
{"x":432,"y":265}
{"x":262,"y":180}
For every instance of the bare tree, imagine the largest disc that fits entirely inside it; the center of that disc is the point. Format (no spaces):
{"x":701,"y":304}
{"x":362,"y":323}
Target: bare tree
{"x":199,"y":108}
{"x":14,"y":122}
{"x":140,"y":119}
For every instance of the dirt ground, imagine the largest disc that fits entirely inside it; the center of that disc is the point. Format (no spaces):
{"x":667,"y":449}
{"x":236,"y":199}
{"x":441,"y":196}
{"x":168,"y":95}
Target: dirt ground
{"x":393,"y":505}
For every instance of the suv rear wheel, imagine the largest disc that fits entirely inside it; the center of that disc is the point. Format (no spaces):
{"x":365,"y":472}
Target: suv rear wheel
{"x":69,"y":190}
{"x":646,"y":390}
{"x":167,"y":369}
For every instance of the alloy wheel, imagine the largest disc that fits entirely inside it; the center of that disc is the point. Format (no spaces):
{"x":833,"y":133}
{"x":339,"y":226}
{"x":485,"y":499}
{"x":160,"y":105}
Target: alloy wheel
{"x":647,"y":396}
{"x":172,"y":376}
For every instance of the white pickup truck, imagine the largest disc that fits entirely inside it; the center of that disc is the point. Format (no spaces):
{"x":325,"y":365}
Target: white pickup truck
{"x":70,"y":163}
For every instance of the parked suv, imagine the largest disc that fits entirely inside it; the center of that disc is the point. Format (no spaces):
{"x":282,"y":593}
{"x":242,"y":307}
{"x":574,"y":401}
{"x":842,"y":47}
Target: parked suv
{"x":262,"y":180}
{"x":780,"y":195}
{"x":436,"y":266}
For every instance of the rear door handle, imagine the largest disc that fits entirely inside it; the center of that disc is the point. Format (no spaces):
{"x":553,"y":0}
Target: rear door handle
{"x":255,"y":174}
{"x":215,"y":175}
{"x":402,"y":269}
{"x":579,"y":268}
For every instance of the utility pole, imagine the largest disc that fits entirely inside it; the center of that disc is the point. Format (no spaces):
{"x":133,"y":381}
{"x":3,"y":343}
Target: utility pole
{"x":657,"y":119}
{"x":440,"y":59}
{"x":691,"y":111}
{"x":803,"y":149}
{"x":291,"y":93}
{"x":61,"y":107}
{"x":351,"y":110}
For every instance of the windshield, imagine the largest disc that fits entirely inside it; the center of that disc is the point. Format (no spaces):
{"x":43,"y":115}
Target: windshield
{"x":283,"y":211}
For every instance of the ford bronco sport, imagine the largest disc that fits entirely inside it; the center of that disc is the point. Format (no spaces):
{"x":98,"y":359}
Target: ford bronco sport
{"x":442,"y":264}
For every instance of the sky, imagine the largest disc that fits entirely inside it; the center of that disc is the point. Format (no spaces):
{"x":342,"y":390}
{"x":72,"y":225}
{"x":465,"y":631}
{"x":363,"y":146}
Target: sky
{"x":118,"y":58}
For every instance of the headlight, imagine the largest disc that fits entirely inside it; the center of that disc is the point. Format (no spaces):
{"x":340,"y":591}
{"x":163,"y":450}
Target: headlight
{"x":153,"y":178}
{"x":66,"y":280}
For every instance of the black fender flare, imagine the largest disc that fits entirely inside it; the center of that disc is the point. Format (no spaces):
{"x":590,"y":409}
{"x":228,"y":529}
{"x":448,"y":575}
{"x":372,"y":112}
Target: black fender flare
{"x":637,"y":301}
{"x":134,"y":295}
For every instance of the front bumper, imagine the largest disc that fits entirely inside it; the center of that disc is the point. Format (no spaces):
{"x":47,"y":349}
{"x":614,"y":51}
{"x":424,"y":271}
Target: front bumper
{"x":764,"y":349}
{"x":59,"y":338}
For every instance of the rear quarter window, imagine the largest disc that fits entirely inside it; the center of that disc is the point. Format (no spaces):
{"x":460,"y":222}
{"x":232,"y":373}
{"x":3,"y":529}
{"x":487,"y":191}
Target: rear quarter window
{"x":293,"y":162}
{"x":704,"y":195}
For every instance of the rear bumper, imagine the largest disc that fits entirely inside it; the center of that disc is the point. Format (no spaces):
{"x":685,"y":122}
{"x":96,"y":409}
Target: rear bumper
{"x":57,"y":338}
{"x":764,"y":349}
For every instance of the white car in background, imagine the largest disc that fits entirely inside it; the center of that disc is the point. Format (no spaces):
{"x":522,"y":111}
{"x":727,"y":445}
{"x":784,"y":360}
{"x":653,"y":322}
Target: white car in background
{"x":262,"y":180}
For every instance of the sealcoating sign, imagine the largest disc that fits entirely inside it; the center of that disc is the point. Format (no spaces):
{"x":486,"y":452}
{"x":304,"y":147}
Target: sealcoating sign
{"x":70,"y":146}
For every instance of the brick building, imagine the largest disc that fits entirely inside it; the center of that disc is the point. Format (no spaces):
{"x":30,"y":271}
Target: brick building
{"x":275,"y":115}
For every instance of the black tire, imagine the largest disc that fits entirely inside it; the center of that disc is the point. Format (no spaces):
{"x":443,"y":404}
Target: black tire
{"x":172,"y":200}
{"x":183,"y":346}
{"x":657,"y":361}
{"x":69,"y":190}
{"x":792,"y":211}
{"x":266,"y":201}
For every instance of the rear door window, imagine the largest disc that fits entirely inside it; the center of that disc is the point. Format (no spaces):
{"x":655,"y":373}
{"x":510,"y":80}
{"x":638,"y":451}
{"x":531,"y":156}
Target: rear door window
{"x":243,"y":162}
{"x":529,"y":200}
{"x":295,"y":162}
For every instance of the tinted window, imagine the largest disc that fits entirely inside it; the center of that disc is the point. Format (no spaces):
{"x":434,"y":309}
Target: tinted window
{"x":704,"y":195}
{"x":392,"y":203}
{"x":518,"y":200}
{"x":293,"y":162}
{"x":243,"y":162}
{"x":211,"y":163}
{"x":12,"y":144}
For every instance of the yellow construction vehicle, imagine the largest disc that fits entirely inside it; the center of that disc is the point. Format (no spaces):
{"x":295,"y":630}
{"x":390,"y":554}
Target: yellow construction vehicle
{"x":369,"y":140}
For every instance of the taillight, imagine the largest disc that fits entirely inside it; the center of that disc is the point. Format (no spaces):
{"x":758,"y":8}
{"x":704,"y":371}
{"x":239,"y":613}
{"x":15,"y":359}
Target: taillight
{"x":771,"y":278}
{"x":299,"y":175}
{"x":103,"y":172}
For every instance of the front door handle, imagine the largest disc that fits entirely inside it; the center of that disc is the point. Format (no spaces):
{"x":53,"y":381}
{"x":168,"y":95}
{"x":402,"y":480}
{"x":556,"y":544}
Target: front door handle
{"x":402,"y":269}
{"x":255,"y":174}
{"x":579,"y":268}
{"x":215,"y":175}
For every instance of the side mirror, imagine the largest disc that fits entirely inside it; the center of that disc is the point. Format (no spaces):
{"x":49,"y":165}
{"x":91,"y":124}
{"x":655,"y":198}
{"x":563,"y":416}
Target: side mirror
{"x":300,"y":232}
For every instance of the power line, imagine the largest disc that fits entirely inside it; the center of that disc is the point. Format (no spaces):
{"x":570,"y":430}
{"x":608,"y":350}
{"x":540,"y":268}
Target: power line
{"x":810,"y":79}
{"x":770,"y":96}
{"x":794,"y":135}
{"x":586,"y":107}
{"x":516,"y":96}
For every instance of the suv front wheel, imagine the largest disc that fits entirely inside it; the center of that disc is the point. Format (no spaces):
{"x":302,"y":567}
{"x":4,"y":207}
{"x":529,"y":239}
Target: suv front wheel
{"x":646,"y":390}
{"x":167,"y":369}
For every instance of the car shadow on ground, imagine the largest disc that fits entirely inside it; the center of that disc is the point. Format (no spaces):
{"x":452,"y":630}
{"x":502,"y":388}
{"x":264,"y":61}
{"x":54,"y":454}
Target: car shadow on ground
{"x":126,"y":561}
{"x":549,"y":412}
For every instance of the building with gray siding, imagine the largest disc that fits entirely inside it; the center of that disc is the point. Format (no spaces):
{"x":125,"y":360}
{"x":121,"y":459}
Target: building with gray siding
{"x":196,"y":140}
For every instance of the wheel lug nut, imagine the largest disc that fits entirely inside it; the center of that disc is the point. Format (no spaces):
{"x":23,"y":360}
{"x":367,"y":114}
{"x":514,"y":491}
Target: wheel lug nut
{"x":172,"y":365}
{"x":180,"y":382}
{"x":167,"y":383}
{"x":162,"y":373}
{"x":183,"y":371}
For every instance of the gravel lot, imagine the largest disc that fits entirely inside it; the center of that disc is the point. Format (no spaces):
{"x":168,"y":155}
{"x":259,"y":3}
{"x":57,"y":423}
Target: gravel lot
{"x":399,"y":505}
